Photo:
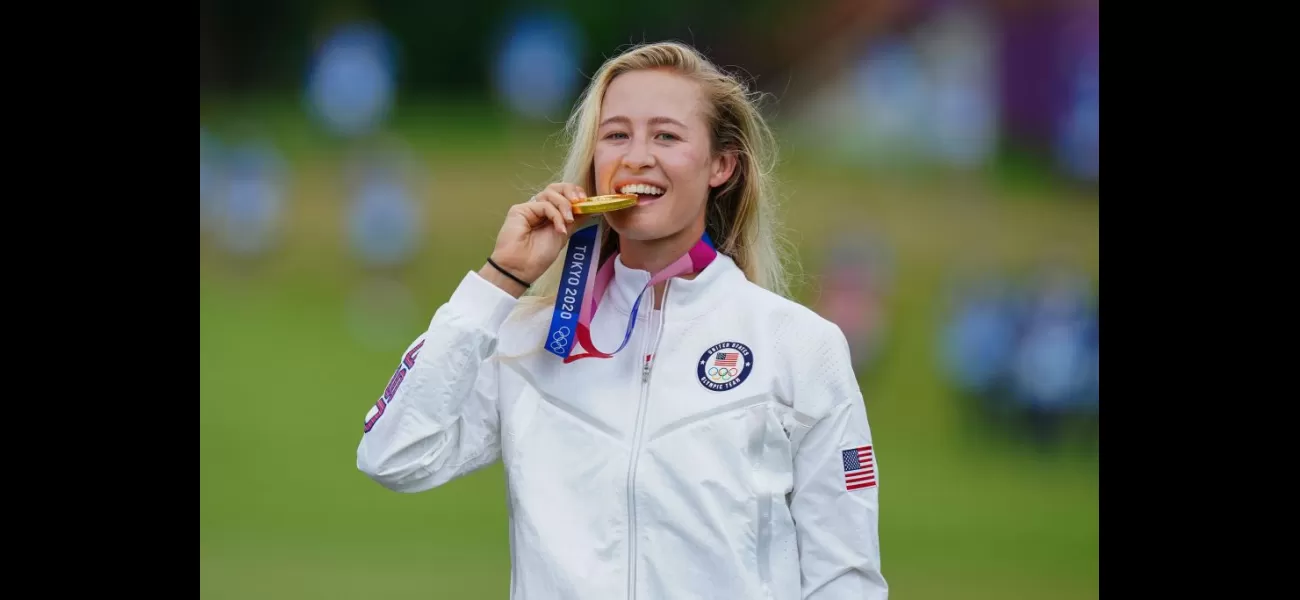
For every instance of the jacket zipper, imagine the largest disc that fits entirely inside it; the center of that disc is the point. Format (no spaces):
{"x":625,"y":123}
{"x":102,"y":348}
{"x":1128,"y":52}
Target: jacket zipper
{"x":646,"y":362}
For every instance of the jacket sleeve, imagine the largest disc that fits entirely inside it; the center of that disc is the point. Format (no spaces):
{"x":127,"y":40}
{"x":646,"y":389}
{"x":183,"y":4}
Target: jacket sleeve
{"x":835,"y":500}
{"x":437,"y":418}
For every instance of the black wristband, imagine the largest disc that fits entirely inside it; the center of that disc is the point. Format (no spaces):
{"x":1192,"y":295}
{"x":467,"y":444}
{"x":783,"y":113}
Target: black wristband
{"x":508,"y":273}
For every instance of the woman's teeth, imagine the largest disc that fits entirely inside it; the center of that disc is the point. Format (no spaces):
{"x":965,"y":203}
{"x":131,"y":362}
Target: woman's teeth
{"x":641,"y":189}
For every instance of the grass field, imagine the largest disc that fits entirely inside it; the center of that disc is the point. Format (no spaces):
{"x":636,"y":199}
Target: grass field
{"x":284,"y":384}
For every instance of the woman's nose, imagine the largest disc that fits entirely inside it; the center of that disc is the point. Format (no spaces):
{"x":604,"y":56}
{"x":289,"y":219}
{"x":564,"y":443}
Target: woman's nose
{"x":638,"y":156}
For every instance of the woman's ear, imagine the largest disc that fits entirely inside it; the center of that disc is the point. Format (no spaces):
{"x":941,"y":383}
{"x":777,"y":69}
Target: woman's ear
{"x":721,"y":169}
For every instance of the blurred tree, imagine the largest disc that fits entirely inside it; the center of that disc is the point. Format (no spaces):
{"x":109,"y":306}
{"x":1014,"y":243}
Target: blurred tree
{"x":247,"y":45}
{"x":448,"y":48}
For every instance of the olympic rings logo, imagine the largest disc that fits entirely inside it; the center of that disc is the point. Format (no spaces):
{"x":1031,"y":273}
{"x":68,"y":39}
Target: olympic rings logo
{"x":722,"y":373}
{"x":560,"y":339}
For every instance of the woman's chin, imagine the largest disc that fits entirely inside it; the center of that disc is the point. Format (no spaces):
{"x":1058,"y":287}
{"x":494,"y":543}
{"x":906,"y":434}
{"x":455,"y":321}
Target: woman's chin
{"x":634,"y":224}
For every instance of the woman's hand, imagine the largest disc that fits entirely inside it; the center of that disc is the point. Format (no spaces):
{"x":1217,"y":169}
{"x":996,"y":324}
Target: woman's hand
{"x":533,"y":235}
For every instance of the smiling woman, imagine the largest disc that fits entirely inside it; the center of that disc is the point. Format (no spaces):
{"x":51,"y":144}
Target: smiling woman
{"x":730,"y":454}
{"x":654,"y":141}
{"x":700,"y":116}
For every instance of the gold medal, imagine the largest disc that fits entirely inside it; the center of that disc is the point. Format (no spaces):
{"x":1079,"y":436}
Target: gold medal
{"x":602,"y":204}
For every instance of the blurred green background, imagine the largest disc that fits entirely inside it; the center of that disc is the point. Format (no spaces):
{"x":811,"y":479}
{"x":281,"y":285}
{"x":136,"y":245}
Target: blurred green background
{"x":356,"y":160}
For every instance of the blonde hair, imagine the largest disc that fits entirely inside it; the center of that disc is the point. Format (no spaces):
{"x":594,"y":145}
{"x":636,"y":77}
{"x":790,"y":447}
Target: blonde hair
{"x":741,"y":217}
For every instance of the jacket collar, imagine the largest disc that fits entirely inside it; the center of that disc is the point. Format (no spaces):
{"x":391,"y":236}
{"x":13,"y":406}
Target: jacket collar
{"x":686,"y":297}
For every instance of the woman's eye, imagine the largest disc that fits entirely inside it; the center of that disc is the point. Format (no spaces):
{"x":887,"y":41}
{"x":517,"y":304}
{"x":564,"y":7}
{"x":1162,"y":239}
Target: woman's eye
{"x":666,"y":136}
{"x":616,"y":135}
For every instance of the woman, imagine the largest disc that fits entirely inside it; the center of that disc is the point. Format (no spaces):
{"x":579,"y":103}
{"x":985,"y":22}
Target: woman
{"x":671,"y":426}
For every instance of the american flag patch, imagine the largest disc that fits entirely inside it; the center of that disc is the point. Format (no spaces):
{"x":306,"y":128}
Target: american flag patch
{"x":859,"y":467}
{"x":726,"y":359}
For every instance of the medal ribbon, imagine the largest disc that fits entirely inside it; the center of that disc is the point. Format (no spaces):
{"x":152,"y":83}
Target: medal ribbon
{"x":579,"y":293}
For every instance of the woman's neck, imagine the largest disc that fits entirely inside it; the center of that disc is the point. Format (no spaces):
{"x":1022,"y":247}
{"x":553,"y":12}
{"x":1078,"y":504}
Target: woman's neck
{"x":656,"y":255}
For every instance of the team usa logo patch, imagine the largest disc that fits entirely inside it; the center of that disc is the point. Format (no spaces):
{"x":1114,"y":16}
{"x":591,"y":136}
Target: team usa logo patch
{"x":408,"y":363}
{"x":859,"y":467}
{"x":725,"y":366}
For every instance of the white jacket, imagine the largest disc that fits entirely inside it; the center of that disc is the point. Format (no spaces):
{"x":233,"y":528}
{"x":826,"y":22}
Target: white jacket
{"x":635,"y":478}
